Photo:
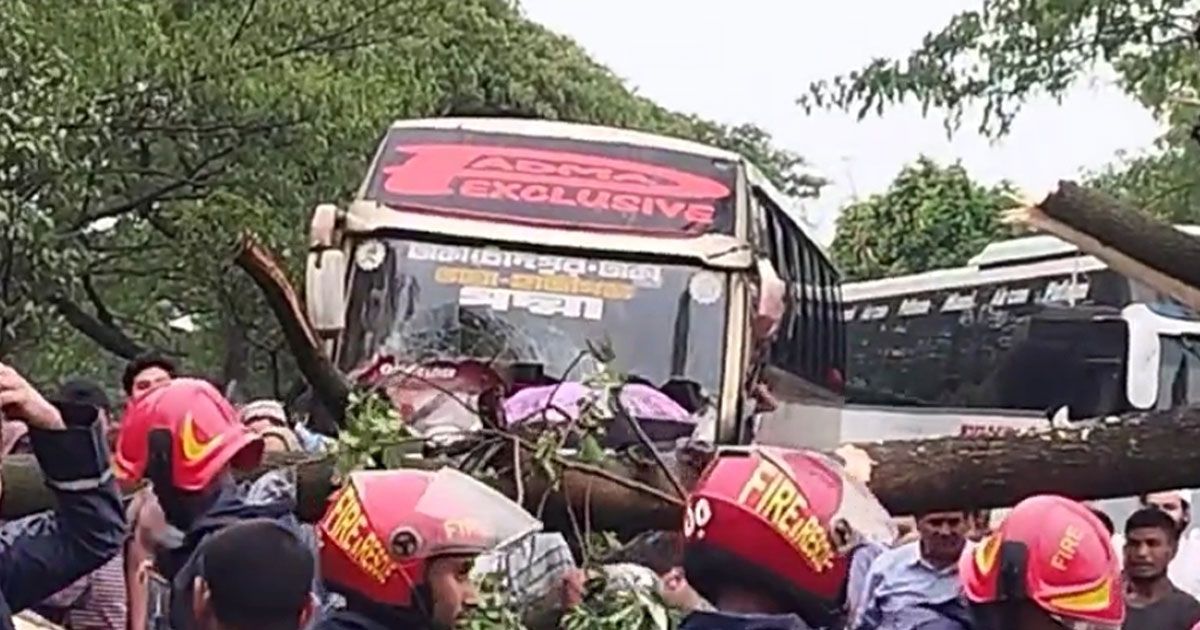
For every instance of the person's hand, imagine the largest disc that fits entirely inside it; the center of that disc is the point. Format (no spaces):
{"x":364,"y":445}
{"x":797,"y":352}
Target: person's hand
{"x":20,"y":401}
{"x":574,"y":585}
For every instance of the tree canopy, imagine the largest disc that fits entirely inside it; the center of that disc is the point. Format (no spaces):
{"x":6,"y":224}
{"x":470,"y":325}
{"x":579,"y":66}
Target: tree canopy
{"x":1007,"y":51}
{"x":993,"y":59}
{"x":931,"y":216}
{"x":139,"y":138}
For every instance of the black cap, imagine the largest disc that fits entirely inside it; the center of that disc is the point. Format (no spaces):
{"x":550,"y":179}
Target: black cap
{"x":80,"y":391}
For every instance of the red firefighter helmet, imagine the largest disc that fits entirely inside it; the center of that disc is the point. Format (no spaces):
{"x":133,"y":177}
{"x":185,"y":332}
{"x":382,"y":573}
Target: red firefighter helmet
{"x":382,"y":528}
{"x":783,"y":521}
{"x":202,"y":428}
{"x":1055,"y":553}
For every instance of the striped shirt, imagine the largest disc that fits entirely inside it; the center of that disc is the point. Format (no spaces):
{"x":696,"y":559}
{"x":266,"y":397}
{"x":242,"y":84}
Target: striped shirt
{"x":94,"y":602}
{"x":97,"y":601}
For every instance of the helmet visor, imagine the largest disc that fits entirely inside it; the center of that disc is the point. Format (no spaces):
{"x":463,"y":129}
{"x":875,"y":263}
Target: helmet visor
{"x":866,"y":517}
{"x":474,"y":517}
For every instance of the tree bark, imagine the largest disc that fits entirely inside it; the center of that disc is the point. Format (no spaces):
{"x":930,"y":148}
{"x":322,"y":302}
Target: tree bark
{"x":236,"y":352}
{"x":330,"y":386}
{"x":1140,"y":236}
{"x":1103,"y":459}
{"x":108,"y":336}
{"x":1133,"y":243}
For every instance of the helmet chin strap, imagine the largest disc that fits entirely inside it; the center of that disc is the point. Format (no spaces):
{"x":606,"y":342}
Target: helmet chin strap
{"x":1014,"y":560}
{"x":181,"y":509}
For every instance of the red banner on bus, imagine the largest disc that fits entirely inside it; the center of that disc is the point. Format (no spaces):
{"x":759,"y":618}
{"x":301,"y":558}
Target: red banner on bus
{"x":554,"y":182}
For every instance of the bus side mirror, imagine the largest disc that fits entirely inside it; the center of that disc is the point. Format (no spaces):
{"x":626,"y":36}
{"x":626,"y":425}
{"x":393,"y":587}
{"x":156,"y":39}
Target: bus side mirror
{"x":325,"y":291}
{"x":768,"y":312}
{"x":325,"y":274}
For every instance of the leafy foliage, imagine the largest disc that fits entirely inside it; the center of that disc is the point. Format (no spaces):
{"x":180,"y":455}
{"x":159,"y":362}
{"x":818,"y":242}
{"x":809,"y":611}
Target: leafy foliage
{"x":495,"y":609}
{"x":930,"y":217}
{"x":1000,"y":55}
{"x":607,"y":608}
{"x":1164,"y":184}
{"x":375,"y":437}
{"x":140,"y":137}
{"x":1010,"y":50}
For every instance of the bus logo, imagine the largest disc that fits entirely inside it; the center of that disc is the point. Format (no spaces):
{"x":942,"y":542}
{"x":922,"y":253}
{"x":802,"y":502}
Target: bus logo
{"x":547,"y":186}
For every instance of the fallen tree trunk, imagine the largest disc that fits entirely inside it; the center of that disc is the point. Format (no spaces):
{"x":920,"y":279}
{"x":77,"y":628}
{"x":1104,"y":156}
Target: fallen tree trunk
{"x":1132,"y":243}
{"x":328,"y":383}
{"x":1103,"y":459}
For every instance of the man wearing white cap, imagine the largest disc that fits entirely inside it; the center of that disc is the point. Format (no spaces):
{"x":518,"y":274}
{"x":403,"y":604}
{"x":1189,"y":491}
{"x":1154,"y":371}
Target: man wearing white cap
{"x":269,"y":418}
{"x":1184,"y":570}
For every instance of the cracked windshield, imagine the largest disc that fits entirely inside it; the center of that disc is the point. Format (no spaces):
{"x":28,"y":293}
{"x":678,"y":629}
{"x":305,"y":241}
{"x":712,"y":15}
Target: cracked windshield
{"x":420,"y":302}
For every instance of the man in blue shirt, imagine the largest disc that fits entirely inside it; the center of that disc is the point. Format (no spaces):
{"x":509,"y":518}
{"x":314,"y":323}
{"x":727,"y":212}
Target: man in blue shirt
{"x":916,"y":585}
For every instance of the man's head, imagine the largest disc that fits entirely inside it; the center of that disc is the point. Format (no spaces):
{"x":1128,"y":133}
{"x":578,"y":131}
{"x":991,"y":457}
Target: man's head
{"x":1175,"y":503}
{"x":1151,"y":538}
{"x":254,"y":575}
{"x":661,"y":552}
{"x":943,"y":536}
{"x":146,"y":371}
{"x":1050,"y":564}
{"x":451,"y":590}
{"x":269,"y":419}
{"x":184,"y":437}
{"x":433,"y":523}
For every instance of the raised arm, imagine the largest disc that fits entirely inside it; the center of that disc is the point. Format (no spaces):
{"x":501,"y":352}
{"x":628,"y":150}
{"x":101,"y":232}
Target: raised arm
{"x":88,"y":527}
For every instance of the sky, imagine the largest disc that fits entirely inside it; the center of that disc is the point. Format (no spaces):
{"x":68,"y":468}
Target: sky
{"x":747,"y":61}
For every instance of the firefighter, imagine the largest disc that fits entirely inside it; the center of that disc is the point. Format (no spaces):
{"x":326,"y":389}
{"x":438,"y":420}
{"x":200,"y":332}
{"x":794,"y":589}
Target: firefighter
{"x":1049,"y":566}
{"x":68,"y":441}
{"x":185,"y":438}
{"x":770,"y":536}
{"x":399,"y":545}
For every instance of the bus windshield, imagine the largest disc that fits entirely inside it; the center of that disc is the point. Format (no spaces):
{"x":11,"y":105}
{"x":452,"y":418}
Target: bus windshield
{"x":421,"y":301}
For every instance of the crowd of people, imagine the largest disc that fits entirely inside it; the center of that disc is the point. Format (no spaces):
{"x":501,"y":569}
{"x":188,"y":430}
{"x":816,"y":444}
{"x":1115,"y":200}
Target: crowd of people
{"x":161,"y":535}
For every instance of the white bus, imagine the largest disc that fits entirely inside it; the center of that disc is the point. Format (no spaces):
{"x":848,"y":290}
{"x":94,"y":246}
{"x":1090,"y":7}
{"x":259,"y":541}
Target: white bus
{"x":513,"y":243}
{"x":1029,"y":324}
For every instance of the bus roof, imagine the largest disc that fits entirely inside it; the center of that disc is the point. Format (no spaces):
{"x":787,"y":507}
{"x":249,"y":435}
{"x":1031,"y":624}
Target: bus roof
{"x":615,"y":135}
{"x":999,"y":262}
{"x":569,"y":130}
{"x":1028,"y":248}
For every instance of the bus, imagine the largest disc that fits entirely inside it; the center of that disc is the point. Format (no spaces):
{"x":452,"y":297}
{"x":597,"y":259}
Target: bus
{"x":499,"y":249}
{"x":1028,"y":324}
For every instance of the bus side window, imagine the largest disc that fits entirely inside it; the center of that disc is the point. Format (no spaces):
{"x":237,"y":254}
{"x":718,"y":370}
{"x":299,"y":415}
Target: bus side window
{"x":786,"y":350}
{"x":841,"y":343}
{"x":810,"y":314}
{"x":781,"y":351}
{"x":796,"y":342}
{"x":827,"y":340}
{"x":764,"y":239}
